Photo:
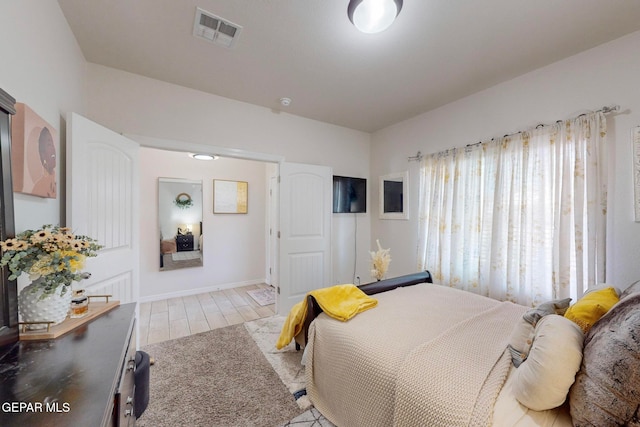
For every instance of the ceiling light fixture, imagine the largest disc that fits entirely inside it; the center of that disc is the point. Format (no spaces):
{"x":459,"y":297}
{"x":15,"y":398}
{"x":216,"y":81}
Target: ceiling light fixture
{"x":373,"y":16}
{"x":202,"y":156}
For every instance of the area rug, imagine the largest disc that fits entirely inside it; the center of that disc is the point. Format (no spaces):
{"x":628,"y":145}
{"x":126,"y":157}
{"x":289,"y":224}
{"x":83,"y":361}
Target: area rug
{"x":168,"y":262}
{"x":185,"y":256}
{"x":264,"y":296}
{"x":216,"y":378}
{"x":286,"y":362}
{"x":310,"y":418}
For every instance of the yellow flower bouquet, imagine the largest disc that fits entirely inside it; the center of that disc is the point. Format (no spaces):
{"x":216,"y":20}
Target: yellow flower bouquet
{"x":52,"y":254}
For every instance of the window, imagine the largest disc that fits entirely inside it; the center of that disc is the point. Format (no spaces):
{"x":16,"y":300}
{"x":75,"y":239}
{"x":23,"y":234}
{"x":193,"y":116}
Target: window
{"x":519,"y":218}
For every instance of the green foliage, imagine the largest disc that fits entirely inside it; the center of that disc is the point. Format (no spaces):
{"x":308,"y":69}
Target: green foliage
{"x":52,"y":255}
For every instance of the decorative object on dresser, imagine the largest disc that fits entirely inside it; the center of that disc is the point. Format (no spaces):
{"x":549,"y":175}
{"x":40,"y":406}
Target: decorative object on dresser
{"x":79,"y":304}
{"x":53,"y":257}
{"x":96,"y":306}
{"x":38,"y":309}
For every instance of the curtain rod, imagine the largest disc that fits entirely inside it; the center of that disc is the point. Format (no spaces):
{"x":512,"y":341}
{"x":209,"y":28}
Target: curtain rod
{"x":417,"y":157}
{"x":610,"y":109}
{"x":607,"y":109}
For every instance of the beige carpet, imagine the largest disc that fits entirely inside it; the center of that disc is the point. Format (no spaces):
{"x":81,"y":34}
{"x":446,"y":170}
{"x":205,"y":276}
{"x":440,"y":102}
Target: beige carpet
{"x":218,"y":378}
{"x":288,"y":365}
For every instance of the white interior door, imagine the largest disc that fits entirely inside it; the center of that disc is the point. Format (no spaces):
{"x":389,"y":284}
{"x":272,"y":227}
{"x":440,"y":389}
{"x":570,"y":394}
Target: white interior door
{"x":305,"y":232}
{"x":102,"y":202}
{"x":272,"y":273}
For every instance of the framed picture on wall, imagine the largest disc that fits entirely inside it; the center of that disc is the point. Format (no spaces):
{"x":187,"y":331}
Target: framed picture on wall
{"x":33,"y":154}
{"x":394,"y":196}
{"x":230,"y":196}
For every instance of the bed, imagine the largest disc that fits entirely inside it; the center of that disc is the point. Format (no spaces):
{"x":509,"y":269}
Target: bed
{"x":437,"y":356}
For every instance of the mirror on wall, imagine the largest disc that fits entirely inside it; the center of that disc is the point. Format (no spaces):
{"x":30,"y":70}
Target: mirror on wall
{"x":394,"y":196}
{"x":180,"y":211}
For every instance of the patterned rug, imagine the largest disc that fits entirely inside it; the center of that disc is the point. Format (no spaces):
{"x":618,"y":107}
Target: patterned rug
{"x":286,"y":362}
{"x":185,"y":256}
{"x":265,"y":296}
{"x":288,"y":365}
{"x":310,"y":418}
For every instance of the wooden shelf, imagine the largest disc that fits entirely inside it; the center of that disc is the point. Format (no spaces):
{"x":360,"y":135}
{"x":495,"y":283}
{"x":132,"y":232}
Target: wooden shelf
{"x":96,"y":309}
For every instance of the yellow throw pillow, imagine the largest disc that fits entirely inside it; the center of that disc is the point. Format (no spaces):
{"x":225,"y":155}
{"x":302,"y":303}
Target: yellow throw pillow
{"x":592,"y":307}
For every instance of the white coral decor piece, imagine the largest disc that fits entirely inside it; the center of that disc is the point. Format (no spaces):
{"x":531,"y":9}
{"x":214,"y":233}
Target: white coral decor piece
{"x":381,"y":259}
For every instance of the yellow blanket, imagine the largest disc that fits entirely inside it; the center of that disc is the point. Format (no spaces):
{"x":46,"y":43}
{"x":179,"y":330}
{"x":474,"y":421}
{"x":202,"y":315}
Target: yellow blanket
{"x":341,"y":302}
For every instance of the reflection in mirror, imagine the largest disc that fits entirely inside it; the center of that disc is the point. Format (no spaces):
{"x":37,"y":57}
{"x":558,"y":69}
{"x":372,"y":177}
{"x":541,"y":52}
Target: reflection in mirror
{"x":394,"y":201}
{"x":180,"y":221}
{"x":393,"y":195}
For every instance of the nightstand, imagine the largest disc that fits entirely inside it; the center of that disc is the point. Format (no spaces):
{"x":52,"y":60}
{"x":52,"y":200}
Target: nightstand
{"x":184,"y":242}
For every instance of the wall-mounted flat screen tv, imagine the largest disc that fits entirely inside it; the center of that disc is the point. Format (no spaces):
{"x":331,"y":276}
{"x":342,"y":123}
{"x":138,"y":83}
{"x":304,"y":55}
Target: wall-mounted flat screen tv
{"x":349,"y":194}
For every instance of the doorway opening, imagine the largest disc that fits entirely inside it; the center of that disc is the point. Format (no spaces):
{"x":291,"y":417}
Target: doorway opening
{"x":222,"y":251}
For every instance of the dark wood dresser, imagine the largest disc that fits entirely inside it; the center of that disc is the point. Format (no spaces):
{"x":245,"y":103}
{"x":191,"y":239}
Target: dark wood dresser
{"x":184,"y":242}
{"x":84,"y":378}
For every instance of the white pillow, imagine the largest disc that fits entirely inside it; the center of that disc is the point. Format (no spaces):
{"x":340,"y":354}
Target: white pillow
{"x":520,"y":341}
{"x":522,"y":335}
{"x":543,"y":381}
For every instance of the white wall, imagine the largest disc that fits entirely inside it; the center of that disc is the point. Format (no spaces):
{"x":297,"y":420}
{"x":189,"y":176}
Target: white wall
{"x":136,"y":105}
{"x":601,"y":76}
{"x":42,"y":66}
{"x":234,"y":245}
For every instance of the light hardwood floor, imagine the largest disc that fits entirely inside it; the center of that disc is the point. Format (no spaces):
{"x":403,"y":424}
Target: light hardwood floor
{"x":178,"y":317}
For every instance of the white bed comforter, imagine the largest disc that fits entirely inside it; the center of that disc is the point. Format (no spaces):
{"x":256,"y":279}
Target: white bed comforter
{"x":427,"y":355}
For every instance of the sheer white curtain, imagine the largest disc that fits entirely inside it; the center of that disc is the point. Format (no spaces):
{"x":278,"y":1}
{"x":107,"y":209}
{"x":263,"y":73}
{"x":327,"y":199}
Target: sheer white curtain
{"x":520,"y":218}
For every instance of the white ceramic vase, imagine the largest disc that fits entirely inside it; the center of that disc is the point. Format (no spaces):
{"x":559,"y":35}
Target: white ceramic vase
{"x":52,"y":308}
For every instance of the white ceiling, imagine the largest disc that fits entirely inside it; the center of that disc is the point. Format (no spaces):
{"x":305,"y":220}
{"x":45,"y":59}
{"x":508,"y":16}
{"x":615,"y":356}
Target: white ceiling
{"x":437,"y":51}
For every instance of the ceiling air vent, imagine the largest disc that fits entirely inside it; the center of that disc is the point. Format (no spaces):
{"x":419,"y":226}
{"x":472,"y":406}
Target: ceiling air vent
{"x":214,"y":29}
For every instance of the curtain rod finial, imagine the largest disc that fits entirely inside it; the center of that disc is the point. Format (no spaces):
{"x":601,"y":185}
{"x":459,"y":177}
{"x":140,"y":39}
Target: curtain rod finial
{"x":417,"y":157}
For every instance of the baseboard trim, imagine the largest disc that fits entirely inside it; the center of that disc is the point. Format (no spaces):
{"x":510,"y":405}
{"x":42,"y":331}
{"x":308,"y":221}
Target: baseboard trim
{"x":189,"y":292}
